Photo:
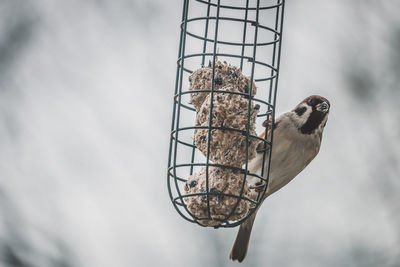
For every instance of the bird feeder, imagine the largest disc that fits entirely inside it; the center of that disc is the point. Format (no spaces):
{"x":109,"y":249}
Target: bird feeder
{"x":226,"y":85}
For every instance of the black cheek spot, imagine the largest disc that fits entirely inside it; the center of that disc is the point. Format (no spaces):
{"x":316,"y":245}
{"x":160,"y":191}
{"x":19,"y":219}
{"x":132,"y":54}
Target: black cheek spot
{"x":300,"y":111}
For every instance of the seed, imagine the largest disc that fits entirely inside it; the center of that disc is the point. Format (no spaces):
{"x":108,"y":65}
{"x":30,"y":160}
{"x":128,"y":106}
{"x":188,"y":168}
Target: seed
{"x":193,"y":184}
{"x":217,"y":193}
{"x":203,"y":197}
{"x":218,"y":81}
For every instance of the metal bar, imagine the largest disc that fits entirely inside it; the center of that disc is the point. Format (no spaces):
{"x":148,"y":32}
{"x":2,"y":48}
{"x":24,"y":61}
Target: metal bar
{"x":244,"y":33}
{"x":224,"y":92}
{"x":248,"y":110}
{"x":266,"y":142}
{"x":250,"y":59}
{"x":216,"y":194}
{"x":230,"y":43}
{"x":240,"y":8}
{"x":206,"y":33}
{"x":213,"y":165}
{"x":202,"y":63}
{"x":211,"y":107}
{"x":270,"y":96}
{"x":179,"y":102}
{"x":274,"y":98}
{"x":184,"y":10}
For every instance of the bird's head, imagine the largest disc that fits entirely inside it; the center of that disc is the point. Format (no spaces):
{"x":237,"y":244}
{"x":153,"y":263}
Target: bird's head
{"x":311,"y":114}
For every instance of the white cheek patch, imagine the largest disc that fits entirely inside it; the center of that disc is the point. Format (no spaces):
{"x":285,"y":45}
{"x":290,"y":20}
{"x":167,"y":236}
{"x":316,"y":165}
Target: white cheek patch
{"x":301,"y":120}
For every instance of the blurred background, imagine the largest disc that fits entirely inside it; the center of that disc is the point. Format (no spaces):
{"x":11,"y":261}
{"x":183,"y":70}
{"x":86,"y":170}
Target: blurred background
{"x":85,"y":108}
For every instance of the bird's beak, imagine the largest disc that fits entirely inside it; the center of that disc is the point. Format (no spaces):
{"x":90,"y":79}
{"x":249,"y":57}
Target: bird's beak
{"x":323,"y":107}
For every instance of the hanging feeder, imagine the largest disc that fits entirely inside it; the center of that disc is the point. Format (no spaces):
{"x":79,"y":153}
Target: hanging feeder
{"x":226,"y":85}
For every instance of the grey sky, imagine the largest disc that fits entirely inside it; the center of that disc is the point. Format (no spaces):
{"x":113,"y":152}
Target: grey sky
{"x":85,"y":106}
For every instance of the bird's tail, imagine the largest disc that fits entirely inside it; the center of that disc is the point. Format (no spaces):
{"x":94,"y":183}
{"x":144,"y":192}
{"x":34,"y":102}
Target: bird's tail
{"x":239,"y":249}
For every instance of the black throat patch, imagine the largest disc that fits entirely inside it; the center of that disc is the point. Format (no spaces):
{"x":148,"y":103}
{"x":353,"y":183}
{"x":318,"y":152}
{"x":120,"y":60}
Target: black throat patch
{"x":314,"y":121}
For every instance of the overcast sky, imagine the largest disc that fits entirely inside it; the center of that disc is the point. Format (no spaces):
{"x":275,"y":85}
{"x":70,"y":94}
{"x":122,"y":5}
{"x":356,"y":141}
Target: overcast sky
{"x":85,"y":111}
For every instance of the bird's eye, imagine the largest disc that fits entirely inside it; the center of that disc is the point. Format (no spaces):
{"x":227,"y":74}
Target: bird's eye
{"x":310,"y":102}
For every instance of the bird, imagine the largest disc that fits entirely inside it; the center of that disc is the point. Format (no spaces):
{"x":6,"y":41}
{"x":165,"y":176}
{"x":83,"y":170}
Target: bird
{"x":297,"y":137}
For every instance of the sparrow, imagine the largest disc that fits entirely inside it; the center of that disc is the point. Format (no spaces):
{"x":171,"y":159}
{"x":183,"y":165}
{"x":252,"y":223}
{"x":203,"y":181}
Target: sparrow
{"x":297,"y":139}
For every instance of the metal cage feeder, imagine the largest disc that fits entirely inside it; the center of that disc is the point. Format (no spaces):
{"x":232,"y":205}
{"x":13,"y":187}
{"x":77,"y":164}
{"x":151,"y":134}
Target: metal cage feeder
{"x":246,"y":34}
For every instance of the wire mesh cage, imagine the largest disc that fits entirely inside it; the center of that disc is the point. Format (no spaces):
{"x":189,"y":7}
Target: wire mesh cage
{"x":229,"y":52}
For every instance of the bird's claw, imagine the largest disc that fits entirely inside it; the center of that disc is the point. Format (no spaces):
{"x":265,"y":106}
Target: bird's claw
{"x":258,"y":187}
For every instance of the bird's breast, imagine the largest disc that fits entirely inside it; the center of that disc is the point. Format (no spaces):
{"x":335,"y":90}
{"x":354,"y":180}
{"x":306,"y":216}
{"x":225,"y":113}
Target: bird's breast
{"x":289,"y":157}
